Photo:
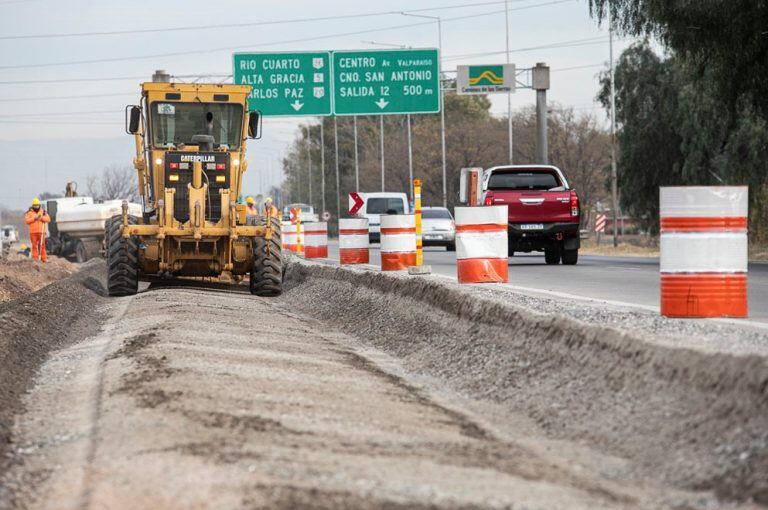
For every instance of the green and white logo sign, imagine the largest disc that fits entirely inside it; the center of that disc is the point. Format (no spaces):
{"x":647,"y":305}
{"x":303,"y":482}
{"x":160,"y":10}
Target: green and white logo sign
{"x":485,"y":79}
{"x":286,"y":84}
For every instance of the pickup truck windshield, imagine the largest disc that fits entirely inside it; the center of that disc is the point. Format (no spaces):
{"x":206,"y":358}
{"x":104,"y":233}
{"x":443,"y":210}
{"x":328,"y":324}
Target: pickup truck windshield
{"x":523,"y":181}
{"x":381,"y":205}
{"x":175,"y":123}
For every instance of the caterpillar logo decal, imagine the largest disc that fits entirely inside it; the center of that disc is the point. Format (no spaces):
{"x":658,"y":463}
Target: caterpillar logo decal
{"x":486,"y":75}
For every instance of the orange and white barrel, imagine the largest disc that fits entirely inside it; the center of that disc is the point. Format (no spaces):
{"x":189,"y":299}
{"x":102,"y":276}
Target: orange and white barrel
{"x":353,"y":241}
{"x":481,"y":244}
{"x":316,"y":240}
{"x":398,"y":241}
{"x":704,"y":257}
{"x":289,"y":236}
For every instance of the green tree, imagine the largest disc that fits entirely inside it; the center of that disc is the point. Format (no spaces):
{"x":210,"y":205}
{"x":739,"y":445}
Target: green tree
{"x":723,"y":42}
{"x":650,"y":145}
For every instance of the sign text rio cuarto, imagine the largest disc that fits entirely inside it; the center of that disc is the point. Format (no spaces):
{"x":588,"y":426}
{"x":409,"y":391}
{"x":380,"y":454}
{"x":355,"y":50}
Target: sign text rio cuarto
{"x":341,"y":82}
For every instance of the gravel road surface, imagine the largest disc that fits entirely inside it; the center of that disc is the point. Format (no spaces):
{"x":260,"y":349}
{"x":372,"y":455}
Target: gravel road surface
{"x":359,"y":391}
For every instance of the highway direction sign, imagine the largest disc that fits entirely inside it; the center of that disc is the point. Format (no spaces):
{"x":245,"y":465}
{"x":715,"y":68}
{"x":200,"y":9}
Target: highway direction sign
{"x":485,"y":79}
{"x":386,"y":82}
{"x":286,"y":84}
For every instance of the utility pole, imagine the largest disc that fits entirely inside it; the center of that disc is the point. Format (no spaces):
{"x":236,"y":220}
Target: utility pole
{"x":540,"y":82}
{"x":322,"y":166}
{"x":442,"y":94}
{"x":357,"y":162}
{"x":381,"y":140}
{"x":509,"y":94}
{"x":614,"y":172}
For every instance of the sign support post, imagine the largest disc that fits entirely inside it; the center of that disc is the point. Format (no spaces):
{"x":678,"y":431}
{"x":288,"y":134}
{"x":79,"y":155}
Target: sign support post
{"x":410,"y":156}
{"x":322,"y":166}
{"x":309,"y":161}
{"x":381,"y":142}
{"x":336,"y":149}
{"x":357,"y":162}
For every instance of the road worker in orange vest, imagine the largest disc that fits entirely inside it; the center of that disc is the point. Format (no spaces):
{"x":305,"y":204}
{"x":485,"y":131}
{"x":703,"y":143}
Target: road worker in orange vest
{"x":269,"y":209}
{"x":36,"y":218}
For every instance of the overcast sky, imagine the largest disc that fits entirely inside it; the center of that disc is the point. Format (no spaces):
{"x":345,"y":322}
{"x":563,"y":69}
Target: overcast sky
{"x":49,"y":133}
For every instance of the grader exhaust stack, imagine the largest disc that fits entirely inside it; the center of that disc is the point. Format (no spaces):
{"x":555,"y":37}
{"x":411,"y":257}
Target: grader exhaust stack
{"x":190,"y":159}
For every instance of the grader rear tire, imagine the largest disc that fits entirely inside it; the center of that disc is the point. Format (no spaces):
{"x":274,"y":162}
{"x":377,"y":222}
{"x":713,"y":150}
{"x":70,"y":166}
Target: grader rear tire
{"x":267,"y":272}
{"x":122,"y":259}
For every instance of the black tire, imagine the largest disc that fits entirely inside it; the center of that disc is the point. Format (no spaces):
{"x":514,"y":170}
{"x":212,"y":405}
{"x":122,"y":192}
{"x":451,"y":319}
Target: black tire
{"x":552,"y":256}
{"x":570,"y":257}
{"x":122,"y":259}
{"x":267,"y":272}
{"x":451,"y":247}
{"x":81,"y":253}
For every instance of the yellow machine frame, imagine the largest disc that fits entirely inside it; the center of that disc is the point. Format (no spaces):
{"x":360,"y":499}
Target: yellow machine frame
{"x":196,"y":247}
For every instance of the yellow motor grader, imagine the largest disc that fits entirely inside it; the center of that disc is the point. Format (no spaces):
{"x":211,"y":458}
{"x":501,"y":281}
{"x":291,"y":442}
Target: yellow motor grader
{"x":190,"y":157}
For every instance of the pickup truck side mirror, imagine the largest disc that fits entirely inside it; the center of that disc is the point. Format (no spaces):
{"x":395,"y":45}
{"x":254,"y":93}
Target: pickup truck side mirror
{"x":254,"y":125}
{"x":132,"y":119}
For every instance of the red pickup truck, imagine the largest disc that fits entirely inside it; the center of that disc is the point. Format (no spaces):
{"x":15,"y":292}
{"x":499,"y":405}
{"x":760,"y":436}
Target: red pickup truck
{"x":544,"y":213}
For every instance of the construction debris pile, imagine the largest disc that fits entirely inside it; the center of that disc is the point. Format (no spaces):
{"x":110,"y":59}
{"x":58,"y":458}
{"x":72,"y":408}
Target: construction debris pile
{"x":20,"y":275}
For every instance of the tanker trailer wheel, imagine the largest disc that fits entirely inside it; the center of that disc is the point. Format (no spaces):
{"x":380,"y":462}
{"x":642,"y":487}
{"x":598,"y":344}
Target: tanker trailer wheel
{"x":122,"y":259}
{"x":267,"y":272}
{"x":81,"y":252}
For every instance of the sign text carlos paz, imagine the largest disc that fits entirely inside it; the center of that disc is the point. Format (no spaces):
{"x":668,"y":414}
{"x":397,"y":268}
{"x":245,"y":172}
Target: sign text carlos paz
{"x":285,"y":77}
{"x":286,"y":84}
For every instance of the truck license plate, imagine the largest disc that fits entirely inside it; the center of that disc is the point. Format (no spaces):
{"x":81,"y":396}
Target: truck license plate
{"x":532,"y":226}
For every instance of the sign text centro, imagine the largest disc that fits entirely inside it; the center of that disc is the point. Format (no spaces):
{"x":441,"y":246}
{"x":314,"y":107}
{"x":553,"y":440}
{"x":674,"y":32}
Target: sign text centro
{"x":286,"y":83}
{"x":485,"y":79}
{"x":386,"y":82}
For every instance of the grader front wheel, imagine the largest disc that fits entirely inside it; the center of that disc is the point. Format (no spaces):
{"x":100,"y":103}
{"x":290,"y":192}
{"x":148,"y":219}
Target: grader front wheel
{"x":267,"y":272}
{"x":122,"y":259}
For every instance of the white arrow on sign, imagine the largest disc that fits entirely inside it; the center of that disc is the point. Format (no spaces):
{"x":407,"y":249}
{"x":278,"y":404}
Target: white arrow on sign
{"x":381,"y":103}
{"x":297,"y":106}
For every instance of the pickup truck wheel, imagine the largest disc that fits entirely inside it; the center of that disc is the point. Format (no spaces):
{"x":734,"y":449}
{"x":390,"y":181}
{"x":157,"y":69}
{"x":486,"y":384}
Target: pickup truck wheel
{"x":267,"y":272}
{"x":570,"y":257}
{"x":552,"y":256}
{"x":122,"y":259}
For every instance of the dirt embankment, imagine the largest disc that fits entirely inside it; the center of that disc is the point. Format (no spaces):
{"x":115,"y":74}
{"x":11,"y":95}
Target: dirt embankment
{"x":679,"y":416}
{"x":36,"y":323}
{"x":20,"y":275}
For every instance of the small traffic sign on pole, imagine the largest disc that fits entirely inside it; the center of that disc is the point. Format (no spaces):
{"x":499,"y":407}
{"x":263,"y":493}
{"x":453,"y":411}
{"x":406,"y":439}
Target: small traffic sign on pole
{"x":382,"y":82}
{"x":286,"y":84}
{"x":356,"y":202}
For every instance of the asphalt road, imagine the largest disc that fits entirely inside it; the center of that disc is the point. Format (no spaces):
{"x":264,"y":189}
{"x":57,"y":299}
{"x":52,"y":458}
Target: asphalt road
{"x":626,"y":280}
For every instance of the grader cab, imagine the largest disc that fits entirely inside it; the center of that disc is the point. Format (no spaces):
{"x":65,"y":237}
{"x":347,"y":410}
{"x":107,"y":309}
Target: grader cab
{"x":190,"y":157}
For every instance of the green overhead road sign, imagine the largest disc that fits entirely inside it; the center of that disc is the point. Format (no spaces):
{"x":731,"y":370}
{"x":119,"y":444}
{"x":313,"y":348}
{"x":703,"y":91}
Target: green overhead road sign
{"x":386,"y":82}
{"x":286,"y":84}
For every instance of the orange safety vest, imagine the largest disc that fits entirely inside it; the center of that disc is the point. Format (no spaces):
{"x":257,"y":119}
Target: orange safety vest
{"x":36,"y":220}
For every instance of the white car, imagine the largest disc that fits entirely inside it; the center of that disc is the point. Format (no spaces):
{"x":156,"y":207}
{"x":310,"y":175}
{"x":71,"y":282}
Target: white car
{"x":438,"y":228}
{"x":10,"y":234}
{"x":307,"y":214}
{"x":379,"y":203}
